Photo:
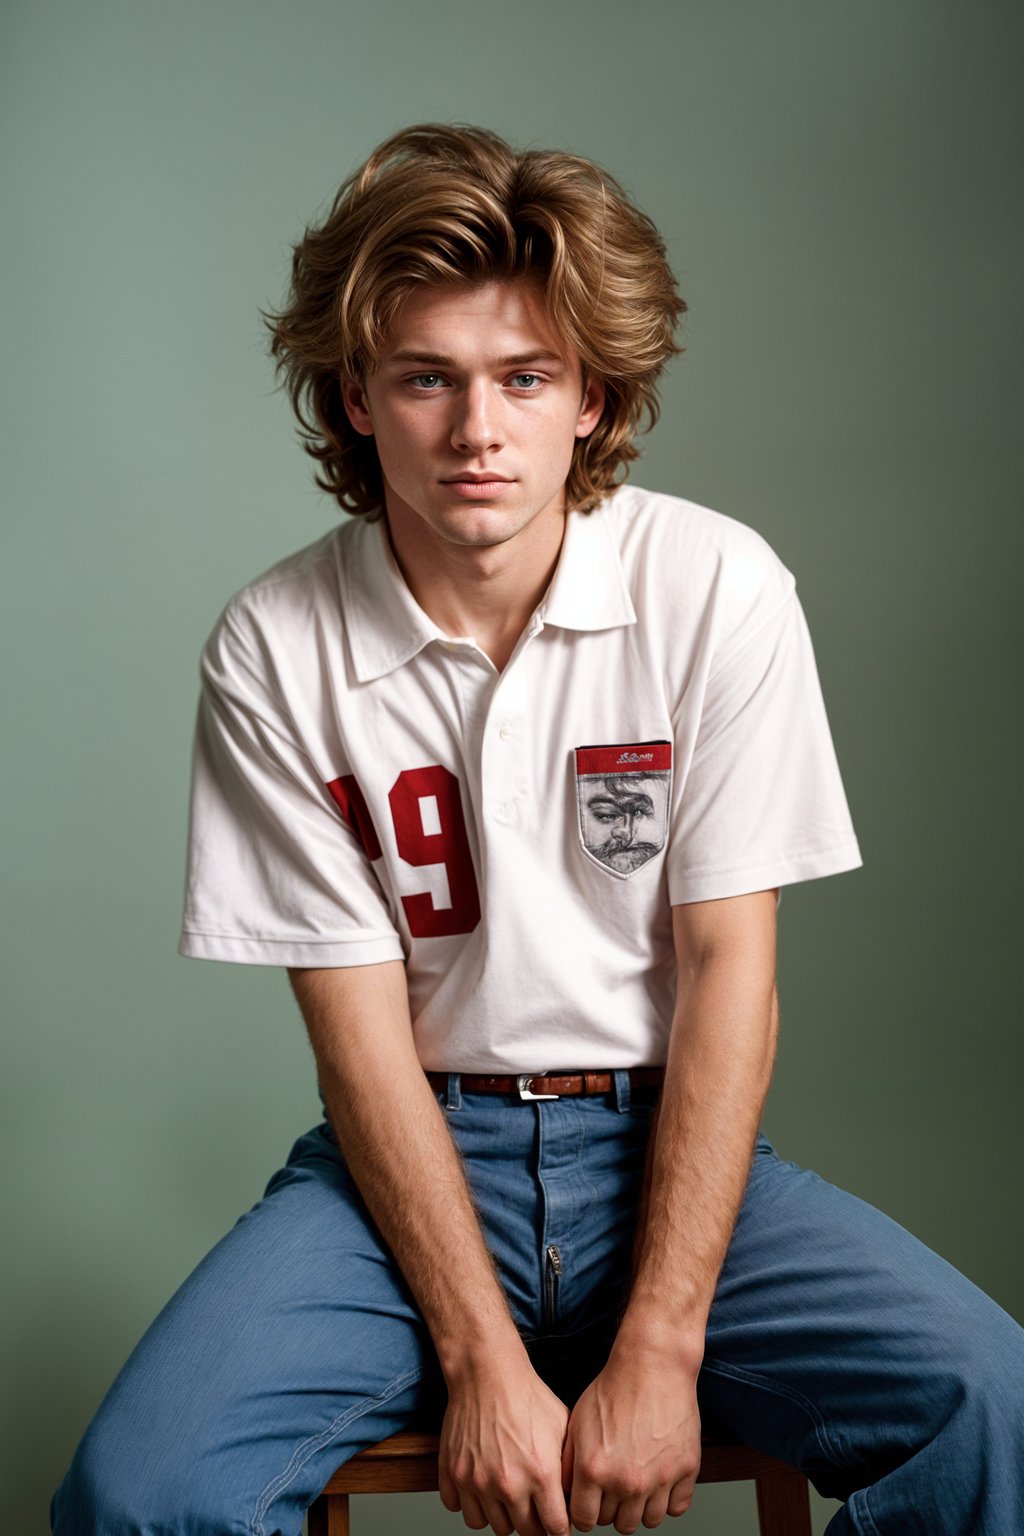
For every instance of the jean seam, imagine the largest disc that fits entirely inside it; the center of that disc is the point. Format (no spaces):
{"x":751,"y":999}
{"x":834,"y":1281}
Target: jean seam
{"x":315,"y":1443}
{"x":826,"y":1444}
{"x":581,"y":1136}
{"x":861,"y":1515}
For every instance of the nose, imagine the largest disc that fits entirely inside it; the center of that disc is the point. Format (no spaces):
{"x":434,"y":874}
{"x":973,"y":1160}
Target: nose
{"x":476,"y":425}
{"x":624,"y":830}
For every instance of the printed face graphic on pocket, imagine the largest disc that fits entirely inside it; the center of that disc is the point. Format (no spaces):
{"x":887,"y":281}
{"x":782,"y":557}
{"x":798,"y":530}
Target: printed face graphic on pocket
{"x":622,"y":793}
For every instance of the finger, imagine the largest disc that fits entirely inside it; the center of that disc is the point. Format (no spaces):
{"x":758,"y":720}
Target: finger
{"x":628,"y":1515}
{"x":499,"y":1517}
{"x":568,"y":1461}
{"x":681,"y":1497}
{"x":472,"y":1511}
{"x":609,"y":1508}
{"x":552,"y":1513}
{"x":655,"y":1509}
{"x":584,"y":1503}
{"x":530,"y":1523}
{"x":447,"y":1489}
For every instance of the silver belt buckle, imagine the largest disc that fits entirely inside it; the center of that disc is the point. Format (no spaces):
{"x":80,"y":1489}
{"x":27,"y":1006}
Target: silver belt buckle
{"x":525,"y":1093}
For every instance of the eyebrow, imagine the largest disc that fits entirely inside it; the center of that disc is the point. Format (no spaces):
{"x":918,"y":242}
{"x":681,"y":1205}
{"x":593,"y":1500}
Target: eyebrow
{"x":440,"y":360}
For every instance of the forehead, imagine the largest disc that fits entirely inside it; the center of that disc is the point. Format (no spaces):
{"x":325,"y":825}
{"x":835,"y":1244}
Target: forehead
{"x":495,"y":317}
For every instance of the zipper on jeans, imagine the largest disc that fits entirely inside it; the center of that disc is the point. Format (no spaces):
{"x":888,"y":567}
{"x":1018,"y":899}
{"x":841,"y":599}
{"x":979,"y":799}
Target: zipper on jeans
{"x":552,"y":1270}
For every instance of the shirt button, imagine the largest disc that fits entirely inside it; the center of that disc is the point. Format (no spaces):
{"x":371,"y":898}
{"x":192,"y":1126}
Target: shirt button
{"x":506,"y":730}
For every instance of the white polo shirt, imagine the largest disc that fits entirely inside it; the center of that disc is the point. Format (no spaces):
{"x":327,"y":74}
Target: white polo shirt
{"x":368,"y":788}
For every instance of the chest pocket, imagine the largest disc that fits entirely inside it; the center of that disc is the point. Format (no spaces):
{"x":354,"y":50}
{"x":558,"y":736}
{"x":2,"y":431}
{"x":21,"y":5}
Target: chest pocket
{"x":623,"y":792}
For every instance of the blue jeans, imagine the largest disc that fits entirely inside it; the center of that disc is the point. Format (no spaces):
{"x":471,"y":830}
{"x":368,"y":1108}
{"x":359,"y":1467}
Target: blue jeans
{"x":836,"y":1340}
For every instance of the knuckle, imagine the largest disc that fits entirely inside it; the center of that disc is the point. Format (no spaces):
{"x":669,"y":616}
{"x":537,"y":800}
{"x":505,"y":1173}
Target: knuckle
{"x":592,"y":1470}
{"x":544,"y":1475}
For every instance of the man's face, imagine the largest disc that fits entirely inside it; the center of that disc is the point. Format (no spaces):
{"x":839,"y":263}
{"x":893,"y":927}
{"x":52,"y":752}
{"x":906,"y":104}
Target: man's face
{"x":475,"y":407}
{"x":619,"y":817}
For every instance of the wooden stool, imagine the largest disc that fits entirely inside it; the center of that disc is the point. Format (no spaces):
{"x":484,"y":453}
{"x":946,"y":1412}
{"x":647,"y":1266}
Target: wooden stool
{"x":407,"y":1463}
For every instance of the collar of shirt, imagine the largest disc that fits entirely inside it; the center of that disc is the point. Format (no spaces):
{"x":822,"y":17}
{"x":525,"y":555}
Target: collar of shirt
{"x":387,"y":627}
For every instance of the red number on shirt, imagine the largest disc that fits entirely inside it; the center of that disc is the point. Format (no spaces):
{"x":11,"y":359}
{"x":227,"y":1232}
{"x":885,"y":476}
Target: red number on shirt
{"x":449,"y":845}
{"x":351,"y":802}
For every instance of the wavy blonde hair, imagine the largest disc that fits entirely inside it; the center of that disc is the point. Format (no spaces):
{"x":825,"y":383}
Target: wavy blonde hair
{"x":449,"y":203}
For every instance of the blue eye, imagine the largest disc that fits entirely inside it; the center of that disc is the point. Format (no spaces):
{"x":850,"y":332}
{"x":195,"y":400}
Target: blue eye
{"x":532,"y":377}
{"x":426,"y":380}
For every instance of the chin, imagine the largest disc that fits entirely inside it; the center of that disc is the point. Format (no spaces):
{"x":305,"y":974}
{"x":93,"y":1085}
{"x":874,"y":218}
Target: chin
{"x":480,"y":525}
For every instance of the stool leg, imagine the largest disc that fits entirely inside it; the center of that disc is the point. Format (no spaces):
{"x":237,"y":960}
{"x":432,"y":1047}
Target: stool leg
{"x":783,"y":1504}
{"x":328,"y":1515}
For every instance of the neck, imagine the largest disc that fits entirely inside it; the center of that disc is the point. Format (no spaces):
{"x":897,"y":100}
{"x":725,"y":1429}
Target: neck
{"x":486,"y":591}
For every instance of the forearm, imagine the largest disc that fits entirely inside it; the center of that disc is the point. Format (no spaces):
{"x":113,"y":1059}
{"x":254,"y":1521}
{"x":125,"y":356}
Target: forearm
{"x":394,"y":1140}
{"x":702,"y":1137}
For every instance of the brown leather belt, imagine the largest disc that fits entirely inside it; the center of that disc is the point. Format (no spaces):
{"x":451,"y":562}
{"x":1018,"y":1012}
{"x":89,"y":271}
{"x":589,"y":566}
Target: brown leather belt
{"x":551,"y":1085}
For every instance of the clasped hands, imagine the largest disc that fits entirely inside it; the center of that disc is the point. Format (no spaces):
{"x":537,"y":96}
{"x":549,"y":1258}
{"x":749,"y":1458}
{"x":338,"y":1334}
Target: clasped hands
{"x":513,"y":1457}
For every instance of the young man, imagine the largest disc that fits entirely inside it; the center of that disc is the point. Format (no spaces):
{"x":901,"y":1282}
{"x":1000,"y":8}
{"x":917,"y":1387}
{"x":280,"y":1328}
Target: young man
{"x":508,"y":772}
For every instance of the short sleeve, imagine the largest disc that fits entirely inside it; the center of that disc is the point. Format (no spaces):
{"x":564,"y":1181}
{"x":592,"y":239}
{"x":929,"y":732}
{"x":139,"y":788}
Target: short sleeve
{"x":274,"y":874}
{"x":762,"y":802}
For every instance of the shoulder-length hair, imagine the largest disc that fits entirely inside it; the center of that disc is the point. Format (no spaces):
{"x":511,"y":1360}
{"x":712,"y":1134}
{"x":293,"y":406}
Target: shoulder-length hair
{"x":440,"y":203}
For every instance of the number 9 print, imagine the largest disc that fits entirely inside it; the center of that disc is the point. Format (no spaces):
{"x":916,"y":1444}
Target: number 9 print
{"x":430,"y":828}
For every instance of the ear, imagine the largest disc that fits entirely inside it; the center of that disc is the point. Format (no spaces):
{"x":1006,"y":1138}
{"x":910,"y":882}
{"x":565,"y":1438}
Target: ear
{"x":591,"y":406}
{"x":353,"y":398}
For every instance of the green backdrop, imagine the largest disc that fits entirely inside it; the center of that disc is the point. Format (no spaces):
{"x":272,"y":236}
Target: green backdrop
{"x":838,"y":187}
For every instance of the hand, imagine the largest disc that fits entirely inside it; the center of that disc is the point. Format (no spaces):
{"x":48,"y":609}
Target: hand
{"x":500,"y":1459}
{"x":632,"y":1450}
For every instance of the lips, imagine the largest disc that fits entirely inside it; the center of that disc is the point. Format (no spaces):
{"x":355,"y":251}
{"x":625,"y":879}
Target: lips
{"x":478,"y":488}
{"x":468,"y":479}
